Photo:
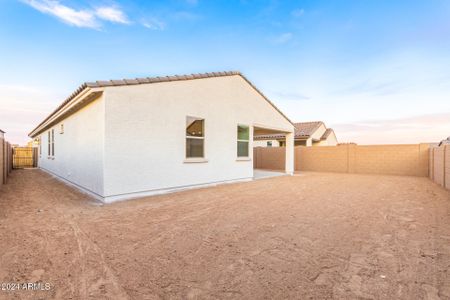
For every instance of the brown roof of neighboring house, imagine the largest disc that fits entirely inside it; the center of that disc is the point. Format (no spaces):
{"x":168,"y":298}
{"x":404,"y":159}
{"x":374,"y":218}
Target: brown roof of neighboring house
{"x":147,"y":80}
{"x":303,"y":130}
{"x":326,"y":134}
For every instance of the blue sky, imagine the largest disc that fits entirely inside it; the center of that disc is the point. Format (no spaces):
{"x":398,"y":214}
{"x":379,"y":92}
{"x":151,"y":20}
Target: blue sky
{"x":377,"y":71}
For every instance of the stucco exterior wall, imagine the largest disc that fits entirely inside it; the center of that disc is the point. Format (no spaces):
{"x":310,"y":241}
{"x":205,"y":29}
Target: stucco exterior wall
{"x":318,"y":133}
{"x":146,"y":133}
{"x":331,"y":140}
{"x":79,"y":150}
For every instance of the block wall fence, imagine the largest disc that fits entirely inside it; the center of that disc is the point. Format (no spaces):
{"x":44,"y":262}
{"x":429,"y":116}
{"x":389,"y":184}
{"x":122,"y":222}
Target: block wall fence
{"x":5,"y":161}
{"x":439,"y":160}
{"x":411,"y":160}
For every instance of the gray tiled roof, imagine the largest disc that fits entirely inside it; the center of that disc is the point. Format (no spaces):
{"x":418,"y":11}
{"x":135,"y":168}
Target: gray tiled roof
{"x":147,"y":80}
{"x":303,"y":130}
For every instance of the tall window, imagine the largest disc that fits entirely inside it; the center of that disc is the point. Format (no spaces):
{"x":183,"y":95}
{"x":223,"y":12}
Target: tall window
{"x":48,"y":144}
{"x":243,"y":136}
{"x":269,"y":144}
{"x":195,"y":137}
{"x":53,"y":142}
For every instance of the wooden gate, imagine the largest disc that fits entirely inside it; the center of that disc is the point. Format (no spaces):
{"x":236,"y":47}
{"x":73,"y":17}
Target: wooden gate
{"x":24,"y":157}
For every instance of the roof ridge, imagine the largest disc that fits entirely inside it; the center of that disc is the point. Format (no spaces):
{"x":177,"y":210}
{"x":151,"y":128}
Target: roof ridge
{"x":146,"y":80}
{"x":309,"y":122}
{"x":154,"y":79}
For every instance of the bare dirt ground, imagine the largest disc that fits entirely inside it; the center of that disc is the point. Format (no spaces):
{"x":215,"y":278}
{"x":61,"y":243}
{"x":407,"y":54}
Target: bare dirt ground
{"x":314,"y":236}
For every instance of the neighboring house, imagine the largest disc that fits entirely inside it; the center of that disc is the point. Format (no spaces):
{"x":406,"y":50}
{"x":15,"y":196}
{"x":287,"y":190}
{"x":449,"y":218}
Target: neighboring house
{"x":121,"y":139}
{"x":306,"y":134}
{"x":445,"y":142}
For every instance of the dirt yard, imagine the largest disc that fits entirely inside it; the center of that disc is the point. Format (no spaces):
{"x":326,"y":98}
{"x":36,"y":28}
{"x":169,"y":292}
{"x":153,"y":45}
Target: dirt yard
{"x":310,"y":236}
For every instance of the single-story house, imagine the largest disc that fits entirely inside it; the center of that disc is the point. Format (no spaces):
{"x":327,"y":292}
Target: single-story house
{"x":123,"y":139}
{"x":306,"y":134}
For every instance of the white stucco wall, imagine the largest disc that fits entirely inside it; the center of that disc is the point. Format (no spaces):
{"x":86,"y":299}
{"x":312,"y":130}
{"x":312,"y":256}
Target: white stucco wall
{"x":145,"y":133}
{"x":79,"y":150}
{"x":331,"y":139}
{"x":318,"y":133}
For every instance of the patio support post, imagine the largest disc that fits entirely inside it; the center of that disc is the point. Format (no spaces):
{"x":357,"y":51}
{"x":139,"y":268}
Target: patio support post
{"x":289,"y":168}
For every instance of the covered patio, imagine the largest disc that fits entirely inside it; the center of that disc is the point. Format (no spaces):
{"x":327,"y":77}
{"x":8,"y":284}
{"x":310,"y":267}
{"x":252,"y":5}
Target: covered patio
{"x":288,"y":156}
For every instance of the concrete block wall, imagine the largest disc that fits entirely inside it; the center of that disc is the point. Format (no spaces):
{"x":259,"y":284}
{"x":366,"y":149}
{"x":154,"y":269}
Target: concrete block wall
{"x":411,"y":160}
{"x":322,"y":159}
{"x":440,"y":169}
{"x":5,"y":161}
{"x":269,"y":158}
{"x":447,"y":167}
{"x":2,"y":161}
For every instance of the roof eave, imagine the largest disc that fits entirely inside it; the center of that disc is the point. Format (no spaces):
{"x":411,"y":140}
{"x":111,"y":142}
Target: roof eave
{"x":77,"y":100}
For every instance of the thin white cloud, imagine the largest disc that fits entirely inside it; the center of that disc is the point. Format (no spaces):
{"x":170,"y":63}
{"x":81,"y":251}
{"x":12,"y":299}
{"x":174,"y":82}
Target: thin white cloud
{"x":282,"y":38}
{"x":153,"y":24}
{"x":71,"y":16}
{"x":112,"y":14}
{"x":87,"y":18}
{"x":298,"y":12}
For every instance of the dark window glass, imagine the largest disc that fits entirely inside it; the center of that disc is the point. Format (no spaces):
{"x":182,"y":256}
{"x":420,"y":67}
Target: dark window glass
{"x":194,"y":147}
{"x":194,"y":127}
{"x":195,"y":137}
{"x":242,"y":149}
{"x":243,"y":134}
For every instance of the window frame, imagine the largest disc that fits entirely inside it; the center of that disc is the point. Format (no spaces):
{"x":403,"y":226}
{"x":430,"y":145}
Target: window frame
{"x":241,"y":140}
{"x":48,"y":144}
{"x":53,"y":143}
{"x":40,"y":145}
{"x":203,"y":138}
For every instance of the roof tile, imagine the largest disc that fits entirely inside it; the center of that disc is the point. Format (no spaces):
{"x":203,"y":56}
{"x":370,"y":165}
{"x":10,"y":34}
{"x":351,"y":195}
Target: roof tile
{"x":302,"y":130}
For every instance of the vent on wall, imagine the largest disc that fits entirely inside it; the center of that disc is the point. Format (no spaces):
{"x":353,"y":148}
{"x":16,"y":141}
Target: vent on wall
{"x":61,"y":129}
